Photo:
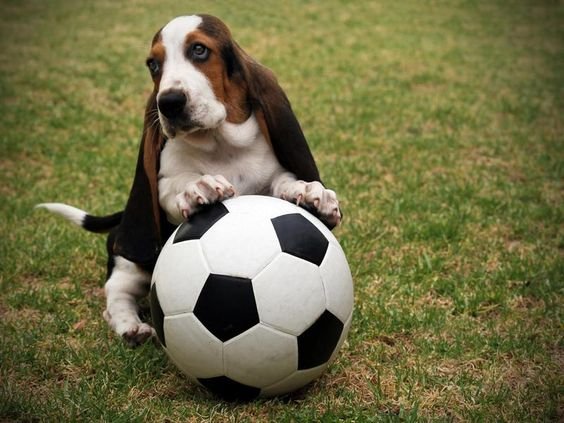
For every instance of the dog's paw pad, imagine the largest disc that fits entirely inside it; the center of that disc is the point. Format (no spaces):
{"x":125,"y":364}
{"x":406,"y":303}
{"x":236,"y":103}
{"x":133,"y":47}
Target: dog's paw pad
{"x":138,"y":334}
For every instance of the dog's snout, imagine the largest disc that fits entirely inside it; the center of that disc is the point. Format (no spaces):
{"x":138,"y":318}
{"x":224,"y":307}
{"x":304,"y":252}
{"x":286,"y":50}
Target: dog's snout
{"x":171,"y":104}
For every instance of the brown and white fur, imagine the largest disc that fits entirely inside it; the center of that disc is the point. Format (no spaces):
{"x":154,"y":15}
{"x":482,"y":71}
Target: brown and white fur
{"x":216,"y":125}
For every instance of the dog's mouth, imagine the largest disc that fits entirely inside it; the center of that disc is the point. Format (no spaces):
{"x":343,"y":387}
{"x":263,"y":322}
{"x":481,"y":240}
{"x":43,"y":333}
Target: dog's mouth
{"x":175,"y":127}
{"x":181,"y":116}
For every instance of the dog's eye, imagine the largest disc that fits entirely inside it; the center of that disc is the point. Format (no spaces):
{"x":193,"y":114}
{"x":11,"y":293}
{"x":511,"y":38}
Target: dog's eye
{"x":154,"y":66}
{"x":200,"y":52}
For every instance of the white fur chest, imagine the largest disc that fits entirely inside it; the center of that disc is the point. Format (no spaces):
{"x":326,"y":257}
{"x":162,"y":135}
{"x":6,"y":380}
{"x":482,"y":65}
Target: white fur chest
{"x":238,"y":152}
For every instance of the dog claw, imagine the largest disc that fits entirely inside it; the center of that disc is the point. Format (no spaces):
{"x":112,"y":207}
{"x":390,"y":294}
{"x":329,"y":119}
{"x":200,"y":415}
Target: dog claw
{"x":314,"y":194}
{"x":205,"y":190}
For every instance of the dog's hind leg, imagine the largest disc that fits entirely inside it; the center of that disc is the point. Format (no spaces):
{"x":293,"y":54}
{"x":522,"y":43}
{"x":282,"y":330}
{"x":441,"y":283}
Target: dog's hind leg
{"x":126,"y":284}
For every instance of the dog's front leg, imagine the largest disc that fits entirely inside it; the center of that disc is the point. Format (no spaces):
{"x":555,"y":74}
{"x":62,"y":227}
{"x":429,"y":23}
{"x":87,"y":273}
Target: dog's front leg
{"x":125,"y":286}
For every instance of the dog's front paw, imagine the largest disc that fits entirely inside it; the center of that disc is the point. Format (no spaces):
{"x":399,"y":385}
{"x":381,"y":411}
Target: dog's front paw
{"x":132,"y":331}
{"x":315,"y":195}
{"x":206,"y":190}
{"x":138,"y":334}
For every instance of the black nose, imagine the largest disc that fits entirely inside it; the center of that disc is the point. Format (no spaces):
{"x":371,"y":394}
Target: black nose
{"x":171,"y":104}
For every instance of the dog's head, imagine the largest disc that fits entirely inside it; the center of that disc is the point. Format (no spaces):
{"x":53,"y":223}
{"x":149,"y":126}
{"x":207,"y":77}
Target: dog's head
{"x":199,"y":74}
{"x":202,"y":78}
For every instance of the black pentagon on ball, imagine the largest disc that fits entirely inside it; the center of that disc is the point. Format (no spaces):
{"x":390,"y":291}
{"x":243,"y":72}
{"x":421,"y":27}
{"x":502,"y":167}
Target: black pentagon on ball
{"x":157,"y":314}
{"x":226,"y":306}
{"x":299,"y":237}
{"x":230,"y":390}
{"x":317,"y":343}
{"x":200,"y":223}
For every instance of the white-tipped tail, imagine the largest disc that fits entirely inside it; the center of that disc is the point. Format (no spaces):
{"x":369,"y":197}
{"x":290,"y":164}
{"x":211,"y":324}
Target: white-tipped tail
{"x":71,"y":213}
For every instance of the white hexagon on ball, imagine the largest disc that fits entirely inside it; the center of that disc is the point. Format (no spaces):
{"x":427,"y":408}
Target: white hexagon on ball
{"x":261,"y":206}
{"x":289,"y":294}
{"x":337,"y":281}
{"x":192,"y":347}
{"x":249,"y":357}
{"x":179,"y":286}
{"x":234,"y":239}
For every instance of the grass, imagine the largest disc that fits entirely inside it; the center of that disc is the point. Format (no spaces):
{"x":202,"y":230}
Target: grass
{"x":438,"y":123}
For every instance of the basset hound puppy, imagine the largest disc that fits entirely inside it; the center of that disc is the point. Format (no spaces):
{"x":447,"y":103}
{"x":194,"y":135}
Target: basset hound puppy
{"x":217,"y":124}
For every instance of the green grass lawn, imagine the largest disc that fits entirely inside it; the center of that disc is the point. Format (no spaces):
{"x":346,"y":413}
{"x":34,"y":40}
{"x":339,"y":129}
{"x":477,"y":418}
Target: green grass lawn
{"x":439,"y":124}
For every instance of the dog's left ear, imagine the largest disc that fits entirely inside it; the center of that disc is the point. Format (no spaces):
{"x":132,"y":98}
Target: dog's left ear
{"x":140,"y":235}
{"x":275,"y":116}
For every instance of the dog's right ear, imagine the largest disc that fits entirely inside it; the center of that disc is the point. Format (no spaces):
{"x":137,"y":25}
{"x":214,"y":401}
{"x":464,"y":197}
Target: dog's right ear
{"x":139,"y":236}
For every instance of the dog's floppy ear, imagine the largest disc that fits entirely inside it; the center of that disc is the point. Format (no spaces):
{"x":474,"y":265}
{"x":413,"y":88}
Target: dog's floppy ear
{"x":266,"y":99}
{"x":140,"y":234}
{"x":277,"y":120}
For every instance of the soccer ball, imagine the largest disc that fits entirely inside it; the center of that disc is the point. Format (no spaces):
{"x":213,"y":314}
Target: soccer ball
{"x":252,"y":297}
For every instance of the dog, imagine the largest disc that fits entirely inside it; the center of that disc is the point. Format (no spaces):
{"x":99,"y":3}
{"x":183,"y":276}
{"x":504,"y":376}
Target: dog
{"x":217,"y":124}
